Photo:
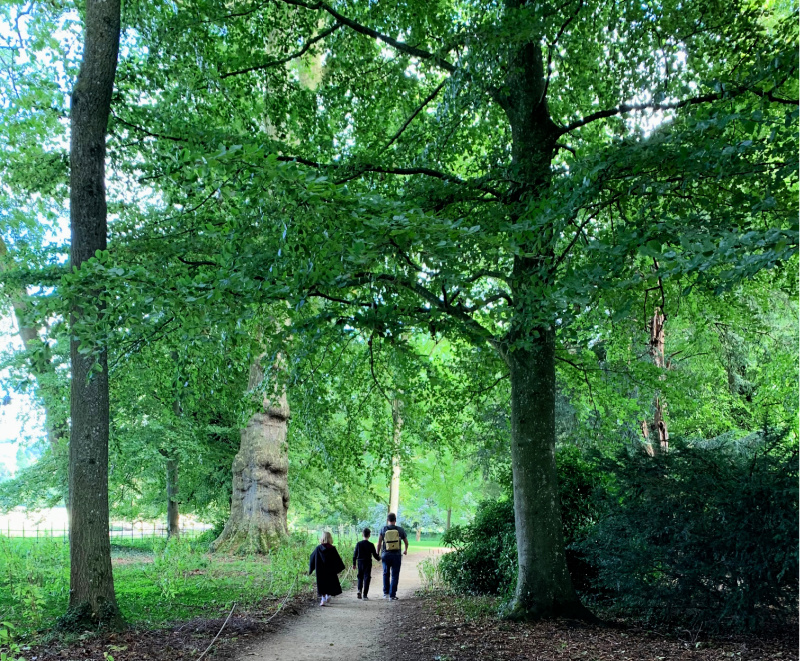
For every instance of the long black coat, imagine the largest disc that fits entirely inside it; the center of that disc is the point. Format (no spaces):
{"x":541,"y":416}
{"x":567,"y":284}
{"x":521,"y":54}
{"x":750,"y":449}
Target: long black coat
{"x":327,"y":562}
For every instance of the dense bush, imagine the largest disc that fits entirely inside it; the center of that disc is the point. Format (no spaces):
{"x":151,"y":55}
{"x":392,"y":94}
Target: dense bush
{"x":484,"y":559}
{"x":701,"y":535}
{"x":485,"y":552}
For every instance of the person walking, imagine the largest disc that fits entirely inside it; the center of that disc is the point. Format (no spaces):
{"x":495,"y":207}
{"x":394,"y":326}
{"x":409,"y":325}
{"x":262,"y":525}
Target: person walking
{"x":390,"y":538}
{"x":363,"y":554}
{"x":327,"y":562}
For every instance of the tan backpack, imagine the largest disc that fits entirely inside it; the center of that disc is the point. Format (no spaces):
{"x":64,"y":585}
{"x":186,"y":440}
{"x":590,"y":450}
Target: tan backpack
{"x":391,"y":540}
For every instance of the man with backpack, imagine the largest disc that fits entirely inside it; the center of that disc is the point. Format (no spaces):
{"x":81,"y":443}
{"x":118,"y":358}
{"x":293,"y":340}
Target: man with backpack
{"x":390,"y":538}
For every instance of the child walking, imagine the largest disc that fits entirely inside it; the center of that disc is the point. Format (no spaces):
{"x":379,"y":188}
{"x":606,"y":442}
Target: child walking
{"x":327,"y":562}
{"x":363,"y":554}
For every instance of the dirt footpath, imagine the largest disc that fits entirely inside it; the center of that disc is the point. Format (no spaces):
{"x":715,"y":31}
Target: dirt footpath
{"x":348,"y":628}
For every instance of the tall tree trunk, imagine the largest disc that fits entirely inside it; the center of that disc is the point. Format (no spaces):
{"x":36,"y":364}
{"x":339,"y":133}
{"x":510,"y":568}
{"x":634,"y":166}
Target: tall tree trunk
{"x":173,"y":512}
{"x":260,"y":498}
{"x":449,"y":517}
{"x":397,"y":433}
{"x":544,"y":587}
{"x":655,"y":433}
{"x":91,"y":597}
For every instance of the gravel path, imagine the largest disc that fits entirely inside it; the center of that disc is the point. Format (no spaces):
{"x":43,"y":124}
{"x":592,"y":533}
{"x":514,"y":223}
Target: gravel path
{"x":348,"y":629}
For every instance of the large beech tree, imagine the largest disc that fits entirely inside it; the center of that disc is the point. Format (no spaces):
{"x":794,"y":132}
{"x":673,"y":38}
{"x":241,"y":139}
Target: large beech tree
{"x":487,"y":170}
{"x":91,"y":596}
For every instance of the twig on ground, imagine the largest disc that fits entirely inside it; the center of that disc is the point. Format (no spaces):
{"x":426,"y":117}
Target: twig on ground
{"x":283,"y":603}
{"x":218,"y":632}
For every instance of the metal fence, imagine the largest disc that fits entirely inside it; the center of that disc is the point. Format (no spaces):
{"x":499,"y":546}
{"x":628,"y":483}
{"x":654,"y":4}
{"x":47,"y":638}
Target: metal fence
{"x":133,"y":531}
{"x":342,"y":534}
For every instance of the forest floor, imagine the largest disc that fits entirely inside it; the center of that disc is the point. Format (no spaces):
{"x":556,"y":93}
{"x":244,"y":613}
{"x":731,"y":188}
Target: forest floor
{"x":427,"y":626}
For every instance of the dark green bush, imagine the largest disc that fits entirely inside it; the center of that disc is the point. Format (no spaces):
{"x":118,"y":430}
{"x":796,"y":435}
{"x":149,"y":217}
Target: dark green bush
{"x":484,"y":560}
{"x":701,"y":536}
{"x":485,"y":556}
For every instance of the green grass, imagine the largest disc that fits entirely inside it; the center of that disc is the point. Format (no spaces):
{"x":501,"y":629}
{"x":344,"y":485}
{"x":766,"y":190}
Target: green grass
{"x":427,"y":542}
{"x":157,"y":582}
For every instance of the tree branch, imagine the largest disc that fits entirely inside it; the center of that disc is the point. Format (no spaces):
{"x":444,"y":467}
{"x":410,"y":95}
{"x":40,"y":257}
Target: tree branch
{"x":369,"y":32}
{"x":550,"y":48}
{"x":416,"y":112}
{"x":288,"y":58}
{"x":363,"y":168}
{"x":632,"y":107}
{"x":189,"y":262}
{"x":586,"y":379}
{"x":706,"y":98}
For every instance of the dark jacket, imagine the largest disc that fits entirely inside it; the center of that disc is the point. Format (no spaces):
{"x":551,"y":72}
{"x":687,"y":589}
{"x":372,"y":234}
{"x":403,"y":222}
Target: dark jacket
{"x":327,"y":562}
{"x":365,"y":551}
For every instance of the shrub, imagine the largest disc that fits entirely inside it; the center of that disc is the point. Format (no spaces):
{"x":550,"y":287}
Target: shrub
{"x":702,"y":535}
{"x":485,"y":556}
{"x":484,"y":559}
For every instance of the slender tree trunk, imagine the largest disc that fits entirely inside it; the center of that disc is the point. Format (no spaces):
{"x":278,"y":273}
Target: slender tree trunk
{"x":173,"y":508}
{"x":173,"y":511}
{"x":655,"y":432}
{"x":260,"y":498}
{"x":397,"y":433}
{"x":41,"y":363}
{"x":91,"y":598}
{"x":449,"y":516}
{"x":394,"y":486}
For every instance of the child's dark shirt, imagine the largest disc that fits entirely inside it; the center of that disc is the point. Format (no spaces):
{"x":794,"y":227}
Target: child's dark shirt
{"x":365,"y":550}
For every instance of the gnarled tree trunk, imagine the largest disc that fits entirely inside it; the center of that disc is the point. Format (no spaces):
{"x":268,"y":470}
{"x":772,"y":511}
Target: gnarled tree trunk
{"x":260,"y":498}
{"x":91,"y":596}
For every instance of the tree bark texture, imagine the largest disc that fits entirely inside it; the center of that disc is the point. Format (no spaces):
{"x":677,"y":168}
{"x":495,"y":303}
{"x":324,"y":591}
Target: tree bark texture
{"x":449,"y":517}
{"x":91,"y":581}
{"x":544,"y":587}
{"x":397,"y":433}
{"x":260,"y":498}
{"x":173,"y":507}
{"x":655,"y":432}
{"x":172,"y":464}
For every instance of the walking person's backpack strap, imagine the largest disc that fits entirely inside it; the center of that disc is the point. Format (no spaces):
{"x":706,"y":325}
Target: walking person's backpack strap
{"x":391,"y":539}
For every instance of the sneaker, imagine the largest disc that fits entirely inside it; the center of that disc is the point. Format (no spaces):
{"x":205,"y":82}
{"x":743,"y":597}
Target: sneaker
{"x":365,"y":598}
{"x":394,"y":598}
{"x":386,"y":596}
{"x":358,"y":595}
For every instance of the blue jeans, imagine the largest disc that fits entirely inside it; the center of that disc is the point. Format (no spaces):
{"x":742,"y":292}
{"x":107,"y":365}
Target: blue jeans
{"x":391,"y":563}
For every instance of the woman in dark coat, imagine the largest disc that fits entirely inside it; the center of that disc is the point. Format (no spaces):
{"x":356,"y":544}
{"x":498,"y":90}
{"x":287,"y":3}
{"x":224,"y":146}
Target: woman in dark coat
{"x":325,"y":560}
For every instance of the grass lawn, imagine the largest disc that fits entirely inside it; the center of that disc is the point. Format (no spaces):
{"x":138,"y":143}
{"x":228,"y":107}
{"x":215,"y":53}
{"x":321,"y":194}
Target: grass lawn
{"x":427,"y":542}
{"x":156,"y":582}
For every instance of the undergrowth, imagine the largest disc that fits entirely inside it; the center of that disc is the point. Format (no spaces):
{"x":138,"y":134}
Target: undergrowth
{"x":156,"y":581}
